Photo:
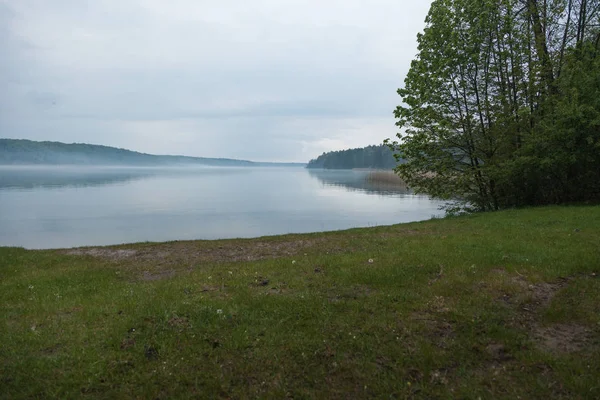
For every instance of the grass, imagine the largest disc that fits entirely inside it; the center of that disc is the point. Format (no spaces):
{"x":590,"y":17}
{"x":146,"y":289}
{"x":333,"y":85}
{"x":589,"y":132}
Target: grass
{"x":497,"y":305}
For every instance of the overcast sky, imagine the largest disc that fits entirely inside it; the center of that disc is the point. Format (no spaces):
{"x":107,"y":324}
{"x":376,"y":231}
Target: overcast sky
{"x":266,"y":80}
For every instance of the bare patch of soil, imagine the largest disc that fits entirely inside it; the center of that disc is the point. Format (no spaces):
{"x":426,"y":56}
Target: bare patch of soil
{"x":544,"y":292}
{"x":540,"y":296}
{"x":557,"y":338}
{"x":113,"y":254}
{"x":562,"y":338}
{"x":200,"y":252}
{"x":498,"y":352}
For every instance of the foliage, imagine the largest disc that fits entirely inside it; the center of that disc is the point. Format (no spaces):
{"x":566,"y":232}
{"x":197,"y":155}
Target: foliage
{"x":468,"y":307}
{"x":500,"y":107}
{"x":374,"y":157}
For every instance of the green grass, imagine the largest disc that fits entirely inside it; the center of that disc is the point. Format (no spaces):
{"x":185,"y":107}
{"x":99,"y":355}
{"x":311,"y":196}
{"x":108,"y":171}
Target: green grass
{"x":496,"y":305}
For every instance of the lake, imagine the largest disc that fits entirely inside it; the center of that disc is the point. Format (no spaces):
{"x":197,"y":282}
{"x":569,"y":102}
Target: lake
{"x":56,"y":207}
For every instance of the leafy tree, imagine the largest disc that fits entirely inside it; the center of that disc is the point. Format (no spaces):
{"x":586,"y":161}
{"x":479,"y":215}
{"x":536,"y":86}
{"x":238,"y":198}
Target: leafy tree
{"x":500,"y":106}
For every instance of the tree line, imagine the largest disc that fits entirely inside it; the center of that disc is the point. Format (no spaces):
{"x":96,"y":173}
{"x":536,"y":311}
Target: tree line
{"x":501,"y":107}
{"x":373,"y":157}
{"x":24,"y":152}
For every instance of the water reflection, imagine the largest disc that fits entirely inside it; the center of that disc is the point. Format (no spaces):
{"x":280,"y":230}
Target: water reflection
{"x":69,"y":206}
{"x":49,"y":177}
{"x":356,"y":181}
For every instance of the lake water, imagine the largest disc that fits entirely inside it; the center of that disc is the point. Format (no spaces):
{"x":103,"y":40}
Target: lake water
{"x":52,"y":207}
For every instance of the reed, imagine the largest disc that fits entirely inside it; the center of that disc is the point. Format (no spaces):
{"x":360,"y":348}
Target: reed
{"x":385,"y":177}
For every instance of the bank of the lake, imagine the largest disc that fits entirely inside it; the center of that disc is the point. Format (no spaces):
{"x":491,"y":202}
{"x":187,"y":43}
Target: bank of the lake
{"x":498,"y":305}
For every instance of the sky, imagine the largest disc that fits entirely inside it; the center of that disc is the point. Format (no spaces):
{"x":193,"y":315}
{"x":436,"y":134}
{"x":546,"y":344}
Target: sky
{"x":263,"y":80}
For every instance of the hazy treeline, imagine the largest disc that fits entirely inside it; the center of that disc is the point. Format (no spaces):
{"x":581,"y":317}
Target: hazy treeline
{"x":27,"y":152}
{"x":501,"y":107}
{"x":376,"y":157}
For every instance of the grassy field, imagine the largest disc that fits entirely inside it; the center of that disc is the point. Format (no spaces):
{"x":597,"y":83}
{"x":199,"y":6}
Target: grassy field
{"x":497,"y":305}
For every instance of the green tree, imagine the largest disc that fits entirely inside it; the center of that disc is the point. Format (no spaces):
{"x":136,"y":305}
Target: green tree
{"x":489,"y":102}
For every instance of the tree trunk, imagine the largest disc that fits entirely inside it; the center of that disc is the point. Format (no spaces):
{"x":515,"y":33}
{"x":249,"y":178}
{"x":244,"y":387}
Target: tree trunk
{"x":541,"y":45}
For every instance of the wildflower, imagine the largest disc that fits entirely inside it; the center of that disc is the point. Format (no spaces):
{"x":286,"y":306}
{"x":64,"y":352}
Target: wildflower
{"x":370,"y":261}
{"x":219,"y":311}
{"x":293,"y":261}
{"x":30,"y":287}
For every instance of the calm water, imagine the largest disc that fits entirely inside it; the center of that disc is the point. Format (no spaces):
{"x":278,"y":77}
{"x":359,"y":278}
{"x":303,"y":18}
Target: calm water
{"x":49,"y":207}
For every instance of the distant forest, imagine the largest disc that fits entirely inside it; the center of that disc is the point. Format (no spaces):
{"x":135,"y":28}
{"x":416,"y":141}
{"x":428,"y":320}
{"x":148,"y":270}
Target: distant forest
{"x":375,"y":157}
{"x":27,"y":152}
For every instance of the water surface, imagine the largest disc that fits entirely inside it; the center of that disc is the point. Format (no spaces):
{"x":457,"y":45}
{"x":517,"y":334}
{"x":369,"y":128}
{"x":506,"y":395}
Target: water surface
{"x":51,"y":207}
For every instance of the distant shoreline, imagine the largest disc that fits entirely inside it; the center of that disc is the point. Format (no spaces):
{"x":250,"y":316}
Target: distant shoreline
{"x":29,"y":152}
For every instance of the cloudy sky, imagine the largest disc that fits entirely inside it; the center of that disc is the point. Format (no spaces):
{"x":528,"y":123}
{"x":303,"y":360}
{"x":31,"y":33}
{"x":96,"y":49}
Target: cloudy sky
{"x":267,"y":80}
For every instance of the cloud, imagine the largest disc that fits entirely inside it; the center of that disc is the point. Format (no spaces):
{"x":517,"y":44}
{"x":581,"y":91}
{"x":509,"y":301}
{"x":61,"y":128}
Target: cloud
{"x":265,"y":80}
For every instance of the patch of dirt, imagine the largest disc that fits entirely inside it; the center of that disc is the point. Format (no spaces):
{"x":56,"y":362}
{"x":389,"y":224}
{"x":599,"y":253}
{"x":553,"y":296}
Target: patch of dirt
{"x":543,"y":292}
{"x":498,"y":352}
{"x":539,"y":295}
{"x":113,"y":254}
{"x":562,"y":338}
{"x":557,"y":338}
{"x":251,"y":250}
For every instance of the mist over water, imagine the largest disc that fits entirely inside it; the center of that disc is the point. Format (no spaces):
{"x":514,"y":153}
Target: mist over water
{"x":51,"y":207}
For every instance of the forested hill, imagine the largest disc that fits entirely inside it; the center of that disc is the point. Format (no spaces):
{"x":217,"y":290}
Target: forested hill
{"x":376,"y":157}
{"x":27,"y":152}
